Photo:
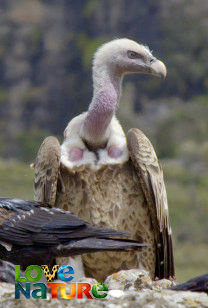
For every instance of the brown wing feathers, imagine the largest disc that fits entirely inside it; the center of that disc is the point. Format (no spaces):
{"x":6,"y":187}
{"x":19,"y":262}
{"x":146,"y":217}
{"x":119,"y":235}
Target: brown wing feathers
{"x":150,"y":175}
{"x":47,"y":171}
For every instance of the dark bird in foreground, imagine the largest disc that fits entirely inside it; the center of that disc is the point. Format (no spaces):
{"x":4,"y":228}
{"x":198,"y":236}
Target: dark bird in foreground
{"x":197,"y":284}
{"x":34,"y":233}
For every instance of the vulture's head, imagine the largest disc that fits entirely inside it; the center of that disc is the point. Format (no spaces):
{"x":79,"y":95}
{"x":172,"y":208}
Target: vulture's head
{"x":125,"y":56}
{"x":97,"y":129}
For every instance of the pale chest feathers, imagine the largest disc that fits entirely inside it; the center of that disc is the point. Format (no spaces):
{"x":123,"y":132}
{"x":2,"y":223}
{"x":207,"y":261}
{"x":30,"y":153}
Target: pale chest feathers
{"x":110,"y":196}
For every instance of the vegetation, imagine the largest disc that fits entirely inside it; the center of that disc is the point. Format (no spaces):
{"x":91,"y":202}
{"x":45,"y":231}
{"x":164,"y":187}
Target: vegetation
{"x":46,"y":49}
{"x":16,"y":180}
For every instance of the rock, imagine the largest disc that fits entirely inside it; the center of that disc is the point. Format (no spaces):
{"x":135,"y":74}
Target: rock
{"x":163,"y":284}
{"x":133,"y":279}
{"x":115,"y":293}
{"x":91,"y":281}
{"x":132,"y":288}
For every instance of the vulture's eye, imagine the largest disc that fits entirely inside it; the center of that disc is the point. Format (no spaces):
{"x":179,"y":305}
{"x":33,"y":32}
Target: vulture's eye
{"x":133,"y":55}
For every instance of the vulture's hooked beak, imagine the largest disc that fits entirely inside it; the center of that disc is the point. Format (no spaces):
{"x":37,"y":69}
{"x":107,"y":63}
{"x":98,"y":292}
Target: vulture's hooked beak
{"x":157,"y":68}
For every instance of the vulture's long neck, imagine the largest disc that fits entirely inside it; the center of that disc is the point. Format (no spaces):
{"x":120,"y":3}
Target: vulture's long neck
{"x":107,"y":90}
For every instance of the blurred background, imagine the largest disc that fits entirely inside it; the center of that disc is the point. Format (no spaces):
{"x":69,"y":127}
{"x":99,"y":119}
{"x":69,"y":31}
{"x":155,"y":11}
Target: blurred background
{"x":46,"y":47}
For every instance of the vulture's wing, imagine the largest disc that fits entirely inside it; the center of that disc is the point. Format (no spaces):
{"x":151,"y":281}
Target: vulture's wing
{"x":47,"y":173}
{"x":150,"y":175}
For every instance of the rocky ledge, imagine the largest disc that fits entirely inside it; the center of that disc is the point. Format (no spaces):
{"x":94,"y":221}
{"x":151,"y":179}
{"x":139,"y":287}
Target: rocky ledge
{"x":132,"y":288}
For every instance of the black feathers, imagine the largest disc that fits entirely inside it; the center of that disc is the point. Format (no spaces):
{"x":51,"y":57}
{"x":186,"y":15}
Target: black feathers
{"x":34,"y":233}
{"x":197,"y":284}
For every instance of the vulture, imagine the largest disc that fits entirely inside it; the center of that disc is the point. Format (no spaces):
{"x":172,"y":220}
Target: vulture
{"x":197,"y":284}
{"x":107,"y":178}
{"x":35,"y":233}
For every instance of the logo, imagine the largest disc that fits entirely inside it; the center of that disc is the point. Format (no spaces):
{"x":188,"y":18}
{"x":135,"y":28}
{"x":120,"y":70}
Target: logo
{"x":34,"y":289}
{"x":50,"y":277}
